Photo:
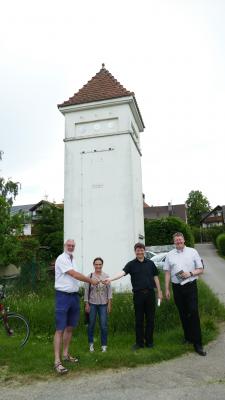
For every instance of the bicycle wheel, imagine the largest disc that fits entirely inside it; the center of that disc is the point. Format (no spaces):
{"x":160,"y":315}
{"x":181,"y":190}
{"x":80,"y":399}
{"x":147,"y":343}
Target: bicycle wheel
{"x":17,"y":333}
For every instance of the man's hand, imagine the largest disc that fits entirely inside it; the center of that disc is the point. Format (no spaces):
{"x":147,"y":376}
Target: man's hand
{"x":106,"y":281}
{"x":167,"y":293}
{"x":87,"y":308}
{"x":160,"y":295}
{"x":94,"y":281}
{"x":109,"y":308}
{"x":185,"y":275}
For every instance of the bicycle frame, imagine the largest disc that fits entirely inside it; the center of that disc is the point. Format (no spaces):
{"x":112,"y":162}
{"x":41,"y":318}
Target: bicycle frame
{"x":4,"y":314}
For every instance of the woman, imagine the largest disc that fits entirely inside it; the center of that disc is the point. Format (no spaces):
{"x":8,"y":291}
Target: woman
{"x":98,"y":300}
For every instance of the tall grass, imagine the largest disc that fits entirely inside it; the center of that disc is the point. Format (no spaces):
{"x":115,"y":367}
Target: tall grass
{"x":38,"y":307}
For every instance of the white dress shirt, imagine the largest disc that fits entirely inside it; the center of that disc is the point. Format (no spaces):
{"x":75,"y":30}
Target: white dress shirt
{"x":186,"y":259}
{"x":63,"y":281}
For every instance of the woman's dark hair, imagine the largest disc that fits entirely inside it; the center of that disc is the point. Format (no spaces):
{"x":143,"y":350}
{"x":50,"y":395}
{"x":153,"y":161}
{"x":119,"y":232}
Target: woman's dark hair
{"x":98,"y":258}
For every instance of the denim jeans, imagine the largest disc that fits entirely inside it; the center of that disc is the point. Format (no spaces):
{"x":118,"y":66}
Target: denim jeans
{"x":101,"y":310}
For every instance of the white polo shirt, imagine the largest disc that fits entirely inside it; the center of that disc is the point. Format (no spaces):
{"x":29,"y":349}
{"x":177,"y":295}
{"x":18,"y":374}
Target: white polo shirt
{"x":186,"y":259}
{"x":63,"y":281}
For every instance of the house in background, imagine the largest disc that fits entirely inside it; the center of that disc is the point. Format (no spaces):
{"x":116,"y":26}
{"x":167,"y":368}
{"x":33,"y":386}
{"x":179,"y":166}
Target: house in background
{"x":215,"y":217}
{"x":25,"y":209}
{"x":32,"y":213}
{"x":171,"y":210}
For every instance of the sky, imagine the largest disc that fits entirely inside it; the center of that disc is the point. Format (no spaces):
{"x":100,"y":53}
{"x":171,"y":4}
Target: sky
{"x":171,"y":53}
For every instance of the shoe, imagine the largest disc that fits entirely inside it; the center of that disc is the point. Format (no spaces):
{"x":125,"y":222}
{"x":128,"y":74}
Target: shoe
{"x":149,"y":345}
{"x":199,"y":350}
{"x":104,"y":349}
{"x":137,"y":347}
{"x":91,"y":347}
{"x":60,"y":369}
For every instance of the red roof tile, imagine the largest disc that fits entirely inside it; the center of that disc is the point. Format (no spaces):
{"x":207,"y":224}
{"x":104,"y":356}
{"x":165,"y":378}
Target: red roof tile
{"x":102,"y":86}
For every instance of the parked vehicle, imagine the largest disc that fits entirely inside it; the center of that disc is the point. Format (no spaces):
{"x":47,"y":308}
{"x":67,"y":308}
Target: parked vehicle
{"x":159,"y":260}
{"x":149,"y":254}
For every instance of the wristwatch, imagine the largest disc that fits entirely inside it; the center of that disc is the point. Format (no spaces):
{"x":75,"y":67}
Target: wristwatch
{"x":191,"y":273}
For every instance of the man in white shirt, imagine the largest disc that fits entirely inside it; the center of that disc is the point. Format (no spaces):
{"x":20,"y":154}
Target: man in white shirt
{"x":182,"y":266}
{"x":67,"y":303}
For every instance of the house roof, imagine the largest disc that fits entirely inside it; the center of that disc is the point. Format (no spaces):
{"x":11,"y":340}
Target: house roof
{"x":207,"y":215}
{"x":102,"y":86}
{"x":24,"y":208}
{"x":175,"y":210}
{"x":32,"y":207}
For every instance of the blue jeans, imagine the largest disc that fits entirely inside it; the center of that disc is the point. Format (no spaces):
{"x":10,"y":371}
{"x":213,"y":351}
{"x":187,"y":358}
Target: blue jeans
{"x":101,"y":309}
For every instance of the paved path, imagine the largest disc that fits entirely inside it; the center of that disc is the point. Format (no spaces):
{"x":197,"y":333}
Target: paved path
{"x":214,"y":274}
{"x":189,"y":377}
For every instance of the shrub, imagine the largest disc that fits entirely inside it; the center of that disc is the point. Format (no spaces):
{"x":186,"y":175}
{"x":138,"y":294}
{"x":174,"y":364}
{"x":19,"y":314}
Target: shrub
{"x":215,"y":232}
{"x":220,"y":242}
{"x":160,"y":231}
{"x":204,"y":234}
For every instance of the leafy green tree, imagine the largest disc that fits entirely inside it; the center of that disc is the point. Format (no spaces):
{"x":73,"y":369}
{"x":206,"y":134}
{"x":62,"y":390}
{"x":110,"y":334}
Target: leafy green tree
{"x":11,"y":226}
{"x":197,"y":204}
{"x":49,"y":229}
{"x":160,"y":231}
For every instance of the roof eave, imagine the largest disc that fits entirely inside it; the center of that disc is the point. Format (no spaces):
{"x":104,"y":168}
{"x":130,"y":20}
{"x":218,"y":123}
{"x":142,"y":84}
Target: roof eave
{"x":106,"y":103}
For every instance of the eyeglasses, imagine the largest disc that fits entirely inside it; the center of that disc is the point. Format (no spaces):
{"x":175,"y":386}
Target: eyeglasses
{"x":98,"y":265}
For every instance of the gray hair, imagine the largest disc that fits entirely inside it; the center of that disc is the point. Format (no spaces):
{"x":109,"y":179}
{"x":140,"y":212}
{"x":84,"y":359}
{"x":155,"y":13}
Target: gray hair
{"x":69,"y":240}
{"x":178,"y":234}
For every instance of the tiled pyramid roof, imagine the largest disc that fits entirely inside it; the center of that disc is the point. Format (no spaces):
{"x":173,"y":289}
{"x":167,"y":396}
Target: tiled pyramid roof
{"x":103,"y":86}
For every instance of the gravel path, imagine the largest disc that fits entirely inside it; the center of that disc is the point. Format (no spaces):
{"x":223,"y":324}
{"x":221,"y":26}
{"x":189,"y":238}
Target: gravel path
{"x":188,"y":377}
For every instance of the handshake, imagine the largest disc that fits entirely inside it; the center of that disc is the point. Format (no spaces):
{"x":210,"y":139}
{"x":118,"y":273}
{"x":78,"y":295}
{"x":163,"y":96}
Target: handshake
{"x":94,"y":281}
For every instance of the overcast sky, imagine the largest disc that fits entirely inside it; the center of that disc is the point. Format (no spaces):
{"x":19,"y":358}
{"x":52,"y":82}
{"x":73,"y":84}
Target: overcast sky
{"x":171,"y":53}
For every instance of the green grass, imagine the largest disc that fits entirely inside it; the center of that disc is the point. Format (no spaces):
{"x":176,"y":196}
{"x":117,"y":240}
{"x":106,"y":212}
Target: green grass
{"x":35,"y":360}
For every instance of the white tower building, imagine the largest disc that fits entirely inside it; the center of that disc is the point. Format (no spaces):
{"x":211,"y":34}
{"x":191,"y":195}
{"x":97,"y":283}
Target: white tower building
{"x":103,"y":204}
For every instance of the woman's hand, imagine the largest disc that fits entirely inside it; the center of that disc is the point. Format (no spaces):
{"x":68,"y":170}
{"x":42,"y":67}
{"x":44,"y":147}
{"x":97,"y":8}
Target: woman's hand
{"x":109,"y":307}
{"x":87,"y":307}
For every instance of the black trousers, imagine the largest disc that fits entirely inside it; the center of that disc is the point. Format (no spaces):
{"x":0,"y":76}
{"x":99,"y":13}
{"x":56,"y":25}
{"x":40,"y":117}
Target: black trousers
{"x":144,"y":307}
{"x":186,"y":300}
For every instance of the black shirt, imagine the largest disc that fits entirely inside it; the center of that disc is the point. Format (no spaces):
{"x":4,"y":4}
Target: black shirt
{"x":142,"y":273}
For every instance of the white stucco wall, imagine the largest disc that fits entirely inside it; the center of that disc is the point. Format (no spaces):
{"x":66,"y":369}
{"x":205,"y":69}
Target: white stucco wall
{"x":103,"y":205}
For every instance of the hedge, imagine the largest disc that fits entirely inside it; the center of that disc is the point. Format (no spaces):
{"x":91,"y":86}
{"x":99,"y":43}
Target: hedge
{"x":220,"y":243}
{"x":207,"y":234}
{"x":160,"y":231}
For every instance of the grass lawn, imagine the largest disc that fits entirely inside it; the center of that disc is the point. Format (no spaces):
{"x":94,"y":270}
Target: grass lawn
{"x":35,"y":360}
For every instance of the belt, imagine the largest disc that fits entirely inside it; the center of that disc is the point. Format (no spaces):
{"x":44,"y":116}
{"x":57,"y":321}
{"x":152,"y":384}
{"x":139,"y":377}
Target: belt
{"x":186,"y":284}
{"x":143,"y":290}
{"x":67,"y":293}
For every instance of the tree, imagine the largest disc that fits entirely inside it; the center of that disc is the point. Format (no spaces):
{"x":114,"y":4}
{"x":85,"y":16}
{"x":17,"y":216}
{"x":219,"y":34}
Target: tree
{"x":160,"y":231}
{"x":11,"y":226}
{"x":197,"y":204}
{"x":49,"y":229}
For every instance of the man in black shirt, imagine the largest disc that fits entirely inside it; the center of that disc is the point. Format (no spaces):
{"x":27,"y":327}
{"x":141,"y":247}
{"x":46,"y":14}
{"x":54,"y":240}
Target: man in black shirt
{"x":144,"y":278}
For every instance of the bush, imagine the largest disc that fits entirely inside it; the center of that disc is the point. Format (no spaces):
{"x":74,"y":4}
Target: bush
{"x":160,"y":231}
{"x":204,"y":235}
{"x":220,"y":243}
{"x":215,"y":232}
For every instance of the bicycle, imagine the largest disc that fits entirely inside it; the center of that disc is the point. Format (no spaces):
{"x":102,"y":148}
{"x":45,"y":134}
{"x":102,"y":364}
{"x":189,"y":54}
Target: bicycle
{"x":12,"y":325}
